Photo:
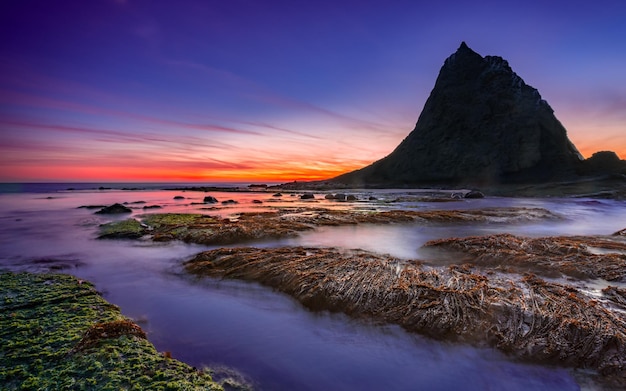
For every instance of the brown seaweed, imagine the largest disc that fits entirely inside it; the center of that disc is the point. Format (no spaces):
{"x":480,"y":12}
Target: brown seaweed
{"x":527,"y":317}
{"x":245,"y":227}
{"x":577,"y":256}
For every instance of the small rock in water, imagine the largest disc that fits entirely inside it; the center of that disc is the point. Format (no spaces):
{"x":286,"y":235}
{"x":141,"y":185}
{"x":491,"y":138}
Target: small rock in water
{"x":114,"y":209}
{"x":227,"y":202}
{"x":307,"y":196}
{"x":257,"y":201}
{"x":210,"y":200}
{"x":179,"y":198}
{"x":474,"y":194}
{"x":351,"y":198}
{"x":277,"y":195}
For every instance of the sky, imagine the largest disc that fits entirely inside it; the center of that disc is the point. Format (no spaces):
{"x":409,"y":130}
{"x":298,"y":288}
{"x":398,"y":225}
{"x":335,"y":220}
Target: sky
{"x":275,"y":91}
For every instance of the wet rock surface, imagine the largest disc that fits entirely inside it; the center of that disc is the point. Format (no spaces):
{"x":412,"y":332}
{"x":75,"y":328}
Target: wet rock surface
{"x":242,"y":227}
{"x":578,"y":257}
{"x":125,"y":229}
{"x":58,"y":333}
{"x":523,"y":315}
{"x":114,"y":209}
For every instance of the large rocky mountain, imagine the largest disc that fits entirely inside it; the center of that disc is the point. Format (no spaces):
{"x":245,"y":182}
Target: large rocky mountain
{"x":481,"y":125}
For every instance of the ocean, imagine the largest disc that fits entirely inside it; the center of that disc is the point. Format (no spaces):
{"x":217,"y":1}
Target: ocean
{"x":264,"y":336}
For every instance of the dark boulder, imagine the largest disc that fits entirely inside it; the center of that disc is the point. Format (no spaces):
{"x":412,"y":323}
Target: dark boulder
{"x":210,"y":200}
{"x":307,"y":196}
{"x":179,"y":197}
{"x":474,"y":194}
{"x":114,"y":209}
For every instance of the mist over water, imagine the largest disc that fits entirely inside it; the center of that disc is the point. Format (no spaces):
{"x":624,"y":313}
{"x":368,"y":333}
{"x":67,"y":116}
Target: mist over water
{"x":267,"y":336}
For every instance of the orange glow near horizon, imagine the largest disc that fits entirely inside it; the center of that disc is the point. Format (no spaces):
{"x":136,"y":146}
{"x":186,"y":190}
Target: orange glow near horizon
{"x":265,"y":172}
{"x":590,"y":137}
{"x":141,"y":174}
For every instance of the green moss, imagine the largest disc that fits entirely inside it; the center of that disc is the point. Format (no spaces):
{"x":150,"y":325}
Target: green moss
{"x":129,"y":228}
{"x":159,"y":220}
{"x":44,"y":321}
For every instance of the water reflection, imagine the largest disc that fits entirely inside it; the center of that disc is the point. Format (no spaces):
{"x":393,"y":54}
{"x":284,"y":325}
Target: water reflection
{"x":267,"y":335}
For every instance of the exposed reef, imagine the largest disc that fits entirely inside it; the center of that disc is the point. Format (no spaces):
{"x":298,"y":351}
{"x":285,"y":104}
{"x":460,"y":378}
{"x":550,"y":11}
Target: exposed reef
{"x":578,"y":257}
{"x":58,"y":333}
{"x":524,"y":316}
{"x":242,"y":227}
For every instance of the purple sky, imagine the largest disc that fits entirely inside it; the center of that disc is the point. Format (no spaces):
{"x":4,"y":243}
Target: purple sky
{"x":275,"y":90}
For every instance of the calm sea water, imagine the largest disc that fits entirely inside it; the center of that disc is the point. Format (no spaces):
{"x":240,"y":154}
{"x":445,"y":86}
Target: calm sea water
{"x":266,"y":336}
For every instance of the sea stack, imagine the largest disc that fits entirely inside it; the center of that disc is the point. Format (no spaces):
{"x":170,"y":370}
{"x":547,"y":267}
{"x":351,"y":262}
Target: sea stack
{"x":481,"y":125}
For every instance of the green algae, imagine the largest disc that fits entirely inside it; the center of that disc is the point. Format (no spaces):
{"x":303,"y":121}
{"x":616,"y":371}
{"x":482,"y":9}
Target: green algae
{"x":159,"y":220}
{"x":44,"y":317}
{"x":129,"y":228}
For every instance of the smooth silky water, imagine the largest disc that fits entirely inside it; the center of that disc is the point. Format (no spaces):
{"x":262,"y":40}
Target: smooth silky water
{"x":266,"y":336}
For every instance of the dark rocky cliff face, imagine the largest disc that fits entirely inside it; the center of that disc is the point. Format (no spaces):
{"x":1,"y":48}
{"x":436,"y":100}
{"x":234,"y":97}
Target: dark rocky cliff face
{"x":481,"y":125}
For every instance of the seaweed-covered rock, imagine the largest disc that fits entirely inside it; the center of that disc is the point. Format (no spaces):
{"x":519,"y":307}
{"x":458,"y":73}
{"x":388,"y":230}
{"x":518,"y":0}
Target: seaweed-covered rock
{"x":212,"y":230}
{"x":114,"y":209}
{"x":527,"y":317}
{"x":58,"y":333}
{"x":576,"y":256}
{"x":125,"y":229}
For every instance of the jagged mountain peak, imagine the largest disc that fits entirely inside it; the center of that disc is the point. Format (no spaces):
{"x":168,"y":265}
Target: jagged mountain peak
{"x":481,"y":124}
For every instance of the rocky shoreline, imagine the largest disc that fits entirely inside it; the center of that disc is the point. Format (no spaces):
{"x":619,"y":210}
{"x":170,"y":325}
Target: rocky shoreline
{"x":57,"y":332}
{"x":528,"y":297}
{"x":288,"y":222}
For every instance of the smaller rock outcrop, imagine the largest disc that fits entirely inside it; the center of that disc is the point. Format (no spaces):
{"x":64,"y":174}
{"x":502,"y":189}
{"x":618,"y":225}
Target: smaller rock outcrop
{"x":114,"y":209}
{"x":210,"y":200}
{"x":604,"y":162}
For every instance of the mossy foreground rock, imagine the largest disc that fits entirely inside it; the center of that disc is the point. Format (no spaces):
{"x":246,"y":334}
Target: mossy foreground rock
{"x":58,"y":333}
